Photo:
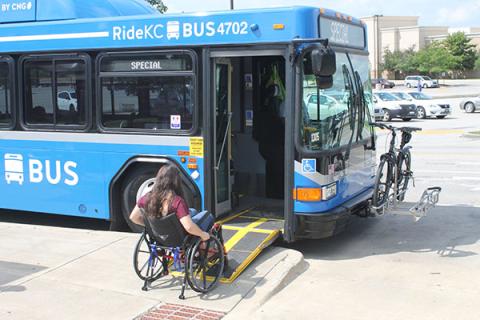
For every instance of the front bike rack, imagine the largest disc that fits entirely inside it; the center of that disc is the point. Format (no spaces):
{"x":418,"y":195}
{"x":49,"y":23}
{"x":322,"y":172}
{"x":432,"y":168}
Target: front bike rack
{"x":428,"y":200}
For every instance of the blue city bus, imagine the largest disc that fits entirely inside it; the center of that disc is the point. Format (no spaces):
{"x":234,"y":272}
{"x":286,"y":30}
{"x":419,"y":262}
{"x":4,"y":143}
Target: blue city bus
{"x":266,"y":108}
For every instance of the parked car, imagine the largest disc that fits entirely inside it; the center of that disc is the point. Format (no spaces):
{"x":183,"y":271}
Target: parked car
{"x":378,"y":112}
{"x":426,"y":105}
{"x":425,"y":82}
{"x":470,"y":105}
{"x":67,"y":100}
{"x":384,"y":83}
{"x":394,"y":107}
{"x":329,"y":106}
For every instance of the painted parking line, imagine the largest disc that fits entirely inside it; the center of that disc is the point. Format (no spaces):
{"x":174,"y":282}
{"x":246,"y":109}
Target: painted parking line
{"x":435,"y":131}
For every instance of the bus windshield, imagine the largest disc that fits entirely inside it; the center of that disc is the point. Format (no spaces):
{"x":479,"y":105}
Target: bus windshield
{"x":327,"y":122}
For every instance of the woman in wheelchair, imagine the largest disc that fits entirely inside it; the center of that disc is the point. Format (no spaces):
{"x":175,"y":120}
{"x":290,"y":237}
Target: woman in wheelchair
{"x":175,"y":234}
{"x":167,"y":197}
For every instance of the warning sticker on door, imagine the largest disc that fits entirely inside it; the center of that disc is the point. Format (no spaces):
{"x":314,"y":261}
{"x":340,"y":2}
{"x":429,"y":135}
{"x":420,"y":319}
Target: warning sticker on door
{"x":175,"y":122}
{"x":196,"y":147}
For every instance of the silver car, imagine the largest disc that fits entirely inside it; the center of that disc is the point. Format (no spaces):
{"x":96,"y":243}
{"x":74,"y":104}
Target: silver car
{"x":425,"y":82}
{"x":470,"y":105}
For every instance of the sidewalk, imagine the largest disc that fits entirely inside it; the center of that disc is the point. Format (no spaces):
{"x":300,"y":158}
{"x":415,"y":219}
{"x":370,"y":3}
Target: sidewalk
{"x":50,"y":272}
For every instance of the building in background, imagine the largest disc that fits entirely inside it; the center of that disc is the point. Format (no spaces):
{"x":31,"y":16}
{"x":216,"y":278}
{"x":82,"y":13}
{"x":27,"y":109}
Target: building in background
{"x":399,"y":33}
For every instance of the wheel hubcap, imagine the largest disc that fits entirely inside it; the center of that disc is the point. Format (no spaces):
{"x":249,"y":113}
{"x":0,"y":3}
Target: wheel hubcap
{"x":145,"y":187}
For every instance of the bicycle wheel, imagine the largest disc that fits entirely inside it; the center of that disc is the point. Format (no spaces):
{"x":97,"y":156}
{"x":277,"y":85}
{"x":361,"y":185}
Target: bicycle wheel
{"x":383,"y":181}
{"x":205,"y":263}
{"x":141,"y":259}
{"x":404,"y":173}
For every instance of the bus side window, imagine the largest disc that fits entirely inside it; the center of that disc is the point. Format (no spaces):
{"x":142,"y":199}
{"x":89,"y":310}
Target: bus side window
{"x":136,"y":95}
{"x":67,"y":78}
{"x":5,"y":103}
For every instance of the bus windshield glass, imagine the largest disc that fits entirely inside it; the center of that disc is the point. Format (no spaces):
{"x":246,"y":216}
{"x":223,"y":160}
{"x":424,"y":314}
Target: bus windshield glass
{"x":334,"y":119}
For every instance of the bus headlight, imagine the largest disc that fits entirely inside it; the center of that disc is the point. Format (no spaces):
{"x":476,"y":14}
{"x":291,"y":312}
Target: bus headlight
{"x":315,"y":194}
{"x":329,"y":191}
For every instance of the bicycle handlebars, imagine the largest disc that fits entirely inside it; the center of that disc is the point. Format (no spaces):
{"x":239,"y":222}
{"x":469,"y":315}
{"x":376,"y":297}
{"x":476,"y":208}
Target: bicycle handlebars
{"x":392,"y":128}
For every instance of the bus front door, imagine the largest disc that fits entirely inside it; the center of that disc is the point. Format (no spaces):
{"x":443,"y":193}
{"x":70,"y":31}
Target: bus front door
{"x":222,"y":134}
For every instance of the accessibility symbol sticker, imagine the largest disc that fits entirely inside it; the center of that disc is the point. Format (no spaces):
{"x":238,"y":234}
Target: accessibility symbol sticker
{"x":309,"y":165}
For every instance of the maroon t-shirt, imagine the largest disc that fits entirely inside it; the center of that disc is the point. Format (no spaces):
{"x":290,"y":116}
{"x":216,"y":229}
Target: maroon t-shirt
{"x":178,"y":205}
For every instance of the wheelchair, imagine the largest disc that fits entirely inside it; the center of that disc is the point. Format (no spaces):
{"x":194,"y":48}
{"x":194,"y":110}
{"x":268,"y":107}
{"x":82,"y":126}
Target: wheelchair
{"x":165,"y":246}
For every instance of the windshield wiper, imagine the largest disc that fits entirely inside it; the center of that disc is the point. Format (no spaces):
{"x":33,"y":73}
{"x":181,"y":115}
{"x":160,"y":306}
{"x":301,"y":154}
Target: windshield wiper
{"x":363,"y":110}
{"x":352,"y":106}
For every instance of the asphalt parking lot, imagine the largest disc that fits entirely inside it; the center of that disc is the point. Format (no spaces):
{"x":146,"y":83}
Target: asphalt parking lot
{"x":393,"y":267}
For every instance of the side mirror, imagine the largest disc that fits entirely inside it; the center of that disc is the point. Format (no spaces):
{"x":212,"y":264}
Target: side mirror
{"x":324,"y":66}
{"x":375,"y":100}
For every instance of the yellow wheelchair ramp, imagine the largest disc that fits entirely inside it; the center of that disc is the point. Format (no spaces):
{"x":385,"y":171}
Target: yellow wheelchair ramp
{"x":245,"y":235}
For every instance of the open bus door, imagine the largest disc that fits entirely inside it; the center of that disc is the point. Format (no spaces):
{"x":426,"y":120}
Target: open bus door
{"x":222,"y":135}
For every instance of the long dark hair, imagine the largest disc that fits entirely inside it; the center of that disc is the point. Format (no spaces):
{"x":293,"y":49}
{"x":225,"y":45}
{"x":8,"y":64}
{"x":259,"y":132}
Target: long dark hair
{"x":168,"y":184}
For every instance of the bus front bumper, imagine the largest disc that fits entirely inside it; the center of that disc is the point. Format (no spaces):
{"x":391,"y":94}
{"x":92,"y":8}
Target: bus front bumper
{"x":327,"y":224}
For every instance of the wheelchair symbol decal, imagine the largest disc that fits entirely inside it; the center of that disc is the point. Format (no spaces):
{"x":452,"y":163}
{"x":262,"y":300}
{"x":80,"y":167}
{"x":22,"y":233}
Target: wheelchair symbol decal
{"x":309,"y":165}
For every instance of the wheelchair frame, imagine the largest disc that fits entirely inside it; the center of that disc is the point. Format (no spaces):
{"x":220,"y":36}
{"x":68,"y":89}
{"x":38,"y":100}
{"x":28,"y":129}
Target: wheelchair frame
{"x":191,"y":254}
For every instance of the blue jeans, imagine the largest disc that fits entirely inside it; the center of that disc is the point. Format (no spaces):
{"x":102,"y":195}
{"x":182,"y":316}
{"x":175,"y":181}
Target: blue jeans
{"x":203,"y":219}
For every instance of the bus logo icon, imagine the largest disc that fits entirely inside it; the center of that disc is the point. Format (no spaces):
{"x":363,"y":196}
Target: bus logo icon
{"x":309,"y":165}
{"x":173,"y":30}
{"x":14,"y":168}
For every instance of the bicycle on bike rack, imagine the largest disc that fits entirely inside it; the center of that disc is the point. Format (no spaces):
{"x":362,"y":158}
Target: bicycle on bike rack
{"x":394,"y":174}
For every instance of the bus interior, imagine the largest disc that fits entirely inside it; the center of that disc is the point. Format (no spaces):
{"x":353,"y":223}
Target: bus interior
{"x":250,"y":92}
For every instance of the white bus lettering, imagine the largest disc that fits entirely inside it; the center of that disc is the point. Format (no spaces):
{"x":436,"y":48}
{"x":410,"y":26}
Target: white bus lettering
{"x":117,"y":31}
{"x":157,"y":31}
{"x":210,"y":29}
{"x":48,"y":172}
{"x":73,"y":179}
{"x":198,"y":29}
{"x":35,"y":170}
{"x":187,"y":30}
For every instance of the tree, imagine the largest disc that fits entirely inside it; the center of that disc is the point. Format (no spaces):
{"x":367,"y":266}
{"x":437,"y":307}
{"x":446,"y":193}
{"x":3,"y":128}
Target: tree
{"x":463,"y":50}
{"x":159,"y":5}
{"x":400,"y":61}
{"x":477,"y":62}
{"x":435,"y":59}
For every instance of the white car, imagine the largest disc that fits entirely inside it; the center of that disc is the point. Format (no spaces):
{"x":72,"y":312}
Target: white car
{"x":67,"y":101}
{"x":394,"y":107}
{"x":425,"y":82}
{"x":426,"y":105}
{"x":329,"y":106}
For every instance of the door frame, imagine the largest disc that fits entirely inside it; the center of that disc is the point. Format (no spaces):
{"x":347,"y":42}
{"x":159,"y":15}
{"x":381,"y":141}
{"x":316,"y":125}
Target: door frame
{"x":285,"y":50}
{"x":225,"y":206}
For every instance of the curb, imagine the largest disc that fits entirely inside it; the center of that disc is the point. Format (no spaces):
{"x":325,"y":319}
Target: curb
{"x":453,"y":96}
{"x":283,"y":273}
{"x":471,"y":135}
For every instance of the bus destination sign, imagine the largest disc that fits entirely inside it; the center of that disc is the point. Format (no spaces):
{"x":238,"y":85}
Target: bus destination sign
{"x":342,"y":33}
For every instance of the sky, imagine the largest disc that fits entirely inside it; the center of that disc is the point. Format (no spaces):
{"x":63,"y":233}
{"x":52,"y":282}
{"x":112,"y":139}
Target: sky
{"x":449,"y":13}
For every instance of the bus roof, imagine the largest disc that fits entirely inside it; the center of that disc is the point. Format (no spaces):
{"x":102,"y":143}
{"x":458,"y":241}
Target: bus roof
{"x":101,"y":29}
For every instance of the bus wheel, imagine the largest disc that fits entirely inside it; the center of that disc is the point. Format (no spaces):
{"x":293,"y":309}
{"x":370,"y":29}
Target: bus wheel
{"x":134,"y":185}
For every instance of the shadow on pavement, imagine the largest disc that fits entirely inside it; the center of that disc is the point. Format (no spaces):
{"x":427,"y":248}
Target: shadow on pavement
{"x":443,"y":231}
{"x":11,"y":271}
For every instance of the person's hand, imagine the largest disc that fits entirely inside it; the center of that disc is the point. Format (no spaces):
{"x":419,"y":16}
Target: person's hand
{"x":205,"y":236}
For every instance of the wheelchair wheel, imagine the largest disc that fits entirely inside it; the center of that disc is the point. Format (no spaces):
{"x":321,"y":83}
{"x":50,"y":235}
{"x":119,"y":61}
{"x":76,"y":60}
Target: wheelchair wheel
{"x":205,"y":262}
{"x":141,"y":258}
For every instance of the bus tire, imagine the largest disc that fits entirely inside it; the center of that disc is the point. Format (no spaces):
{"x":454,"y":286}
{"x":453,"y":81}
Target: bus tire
{"x":129,"y":190}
